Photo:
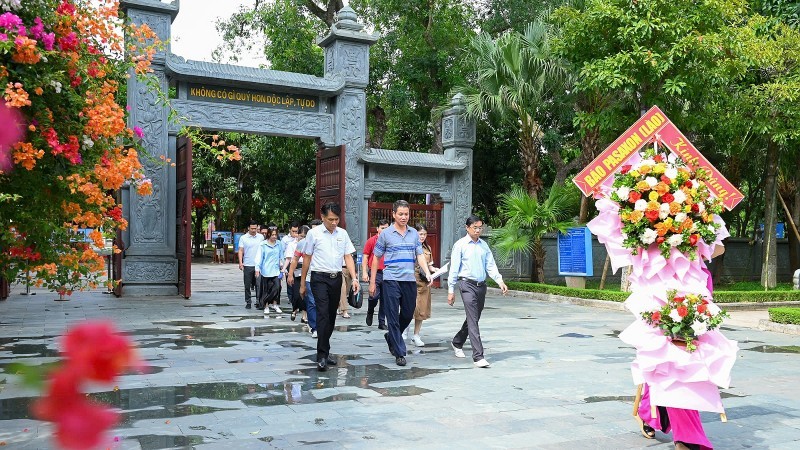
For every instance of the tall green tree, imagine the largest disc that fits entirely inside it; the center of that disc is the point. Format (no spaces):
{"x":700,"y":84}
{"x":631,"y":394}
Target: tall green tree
{"x":513,"y":76}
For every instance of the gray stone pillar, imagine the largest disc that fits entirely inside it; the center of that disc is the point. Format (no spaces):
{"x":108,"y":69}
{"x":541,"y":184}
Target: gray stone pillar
{"x":346,"y":49}
{"x":150,"y":266}
{"x":458,"y":138}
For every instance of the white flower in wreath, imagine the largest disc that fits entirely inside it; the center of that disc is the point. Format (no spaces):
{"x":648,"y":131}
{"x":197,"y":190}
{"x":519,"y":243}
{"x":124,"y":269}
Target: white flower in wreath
{"x":675,"y":316}
{"x":652,"y":181}
{"x":711,"y":228}
{"x":640,"y":205}
{"x":680,"y":217}
{"x":647,"y":162}
{"x":671,"y":158}
{"x":649,"y":236}
{"x":675,"y":240}
{"x":680,"y":197}
{"x":699,"y":328}
{"x":671,"y":173}
{"x":623,"y":192}
{"x":663,"y":211}
{"x":701,"y":207}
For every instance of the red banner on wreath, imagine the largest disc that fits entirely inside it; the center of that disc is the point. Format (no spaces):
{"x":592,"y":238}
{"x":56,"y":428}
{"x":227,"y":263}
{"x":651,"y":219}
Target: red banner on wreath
{"x":653,"y":126}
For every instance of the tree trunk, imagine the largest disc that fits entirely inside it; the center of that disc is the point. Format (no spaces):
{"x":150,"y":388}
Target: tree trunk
{"x":769,"y":258}
{"x":539,"y":254}
{"x":794,"y":244}
{"x":529,"y":154}
{"x":589,"y":147}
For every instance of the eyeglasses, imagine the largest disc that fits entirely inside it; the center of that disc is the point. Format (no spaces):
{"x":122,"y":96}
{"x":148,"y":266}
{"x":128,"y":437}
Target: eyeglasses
{"x":477,"y":228}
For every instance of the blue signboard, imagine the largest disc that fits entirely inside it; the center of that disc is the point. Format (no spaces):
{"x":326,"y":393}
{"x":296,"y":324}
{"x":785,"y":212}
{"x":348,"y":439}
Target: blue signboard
{"x":575,"y":253}
{"x":236,"y":237}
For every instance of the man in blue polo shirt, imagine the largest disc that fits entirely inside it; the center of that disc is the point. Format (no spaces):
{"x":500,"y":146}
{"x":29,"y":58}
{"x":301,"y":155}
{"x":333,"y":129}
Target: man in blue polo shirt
{"x":399,"y":246}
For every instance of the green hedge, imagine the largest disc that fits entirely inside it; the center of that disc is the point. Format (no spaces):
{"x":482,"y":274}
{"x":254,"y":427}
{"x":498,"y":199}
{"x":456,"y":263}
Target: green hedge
{"x":785,"y":315}
{"x":619,"y":296}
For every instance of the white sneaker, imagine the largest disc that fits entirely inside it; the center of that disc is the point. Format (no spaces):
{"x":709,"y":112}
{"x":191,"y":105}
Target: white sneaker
{"x":276,"y":309}
{"x":405,"y":334}
{"x":483,"y":363}
{"x":417,"y":341}
{"x":459,"y":352}
{"x":314,"y":334}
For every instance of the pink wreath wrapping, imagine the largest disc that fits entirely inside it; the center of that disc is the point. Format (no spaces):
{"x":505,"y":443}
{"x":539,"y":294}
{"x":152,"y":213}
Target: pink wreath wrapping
{"x":676,"y":377}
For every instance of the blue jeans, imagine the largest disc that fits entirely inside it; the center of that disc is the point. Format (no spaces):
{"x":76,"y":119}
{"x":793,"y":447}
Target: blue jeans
{"x":399,"y":299}
{"x":311,"y":307}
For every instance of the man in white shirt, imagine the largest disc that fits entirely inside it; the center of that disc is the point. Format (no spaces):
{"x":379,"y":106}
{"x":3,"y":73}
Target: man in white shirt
{"x":470,"y":261}
{"x":248,"y":246}
{"x":322,"y":256}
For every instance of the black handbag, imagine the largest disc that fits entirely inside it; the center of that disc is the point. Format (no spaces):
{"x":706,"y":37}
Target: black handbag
{"x":355,"y":300}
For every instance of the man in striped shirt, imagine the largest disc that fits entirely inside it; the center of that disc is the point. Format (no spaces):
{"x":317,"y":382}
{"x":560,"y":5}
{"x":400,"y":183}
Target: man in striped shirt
{"x":399,"y":246}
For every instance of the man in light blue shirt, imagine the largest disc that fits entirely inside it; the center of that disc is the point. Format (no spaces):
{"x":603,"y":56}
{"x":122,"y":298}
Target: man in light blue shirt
{"x":399,"y":246}
{"x":470,"y":261}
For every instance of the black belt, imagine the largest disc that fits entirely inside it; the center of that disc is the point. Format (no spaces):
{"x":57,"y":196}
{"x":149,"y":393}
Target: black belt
{"x":473,"y":282}
{"x":328,"y":274}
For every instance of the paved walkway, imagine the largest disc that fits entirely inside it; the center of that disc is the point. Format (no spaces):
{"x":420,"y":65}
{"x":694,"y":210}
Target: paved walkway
{"x":227,"y":377}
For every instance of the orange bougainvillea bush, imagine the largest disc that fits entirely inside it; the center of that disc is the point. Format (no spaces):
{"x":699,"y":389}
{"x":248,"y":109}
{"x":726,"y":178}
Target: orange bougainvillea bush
{"x":64,"y":144}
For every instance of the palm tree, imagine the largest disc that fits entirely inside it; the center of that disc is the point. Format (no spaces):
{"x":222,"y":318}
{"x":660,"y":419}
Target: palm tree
{"x":528,"y":220}
{"x":513,"y":77}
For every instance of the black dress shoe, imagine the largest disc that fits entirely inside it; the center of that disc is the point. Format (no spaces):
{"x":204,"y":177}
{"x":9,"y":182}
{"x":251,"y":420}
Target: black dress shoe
{"x":322,"y":364}
{"x":382,"y":326}
{"x":248,"y":306}
{"x":331,"y":361}
{"x":370,"y":313}
{"x":400,"y":360}
{"x":386,"y":336}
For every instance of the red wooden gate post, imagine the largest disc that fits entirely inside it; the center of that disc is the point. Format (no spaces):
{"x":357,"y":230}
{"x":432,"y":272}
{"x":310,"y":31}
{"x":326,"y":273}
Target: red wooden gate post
{"x":330,"y":179}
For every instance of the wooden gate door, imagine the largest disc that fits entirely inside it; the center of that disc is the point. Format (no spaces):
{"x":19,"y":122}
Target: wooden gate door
{"x":330,"y":179}
{"x":116,"y":264}
{"x":4,"y":288}
{"x":183,"y":222}
{"x":428,"y":215}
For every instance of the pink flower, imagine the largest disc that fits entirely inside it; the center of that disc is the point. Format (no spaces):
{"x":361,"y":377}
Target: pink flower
{"x":66,"y":8}
{"x":3,"y":37}
{"x":12,"y":129}
{"x":37,"y":31}
{"x":97,"y":351}
{"x":138,"y":132}
{"x":48,"y":40}
{"x":10,"y":21}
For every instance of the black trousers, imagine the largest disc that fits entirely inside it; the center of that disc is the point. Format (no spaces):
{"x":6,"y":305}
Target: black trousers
{"x":269,"y":292}
{"x":298,"y":302}
{"x":249,"y":283}
{"x":327,"y":291}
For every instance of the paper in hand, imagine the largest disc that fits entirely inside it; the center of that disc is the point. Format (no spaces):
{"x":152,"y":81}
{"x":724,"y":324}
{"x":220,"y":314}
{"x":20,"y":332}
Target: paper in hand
{"x":439,"y":272}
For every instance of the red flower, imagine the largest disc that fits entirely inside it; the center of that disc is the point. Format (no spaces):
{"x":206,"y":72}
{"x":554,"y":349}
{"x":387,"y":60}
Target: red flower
{"x":115,"y":213}
{"x":69,"y":42}
{"x":658,"y":158}
{"x":651,"y":215}
{"x":66,"y":8}
{"x":701,"y":308}
{"x":83,"y":425}
{"x":682,"y":311}
{"x":625,"y":169}
{"x":688,"y":184}
{"x":656,"y":316}
{"x":678,"y":299}
{"x":660,"y":240}
{"x":693,"y":239}
{"x":665,"y":179}
{"x":62,"y":393}
{"x":97,"y":351}
{"x":667,"y":198}
{"x":634,"y":196}
{"x":695,"y":208}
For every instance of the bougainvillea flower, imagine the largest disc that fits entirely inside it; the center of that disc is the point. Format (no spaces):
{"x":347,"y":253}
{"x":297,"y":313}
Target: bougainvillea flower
{"x":98,"y":351}
{"x":83,"y":425}
{"x":12,"y":129}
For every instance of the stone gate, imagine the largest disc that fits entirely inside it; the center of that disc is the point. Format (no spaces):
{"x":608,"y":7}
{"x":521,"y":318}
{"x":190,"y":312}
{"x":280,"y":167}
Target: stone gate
{"x":329,"y":109}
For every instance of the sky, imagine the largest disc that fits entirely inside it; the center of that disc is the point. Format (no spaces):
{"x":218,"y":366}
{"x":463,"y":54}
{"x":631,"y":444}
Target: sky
{"x":194,"y":33}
